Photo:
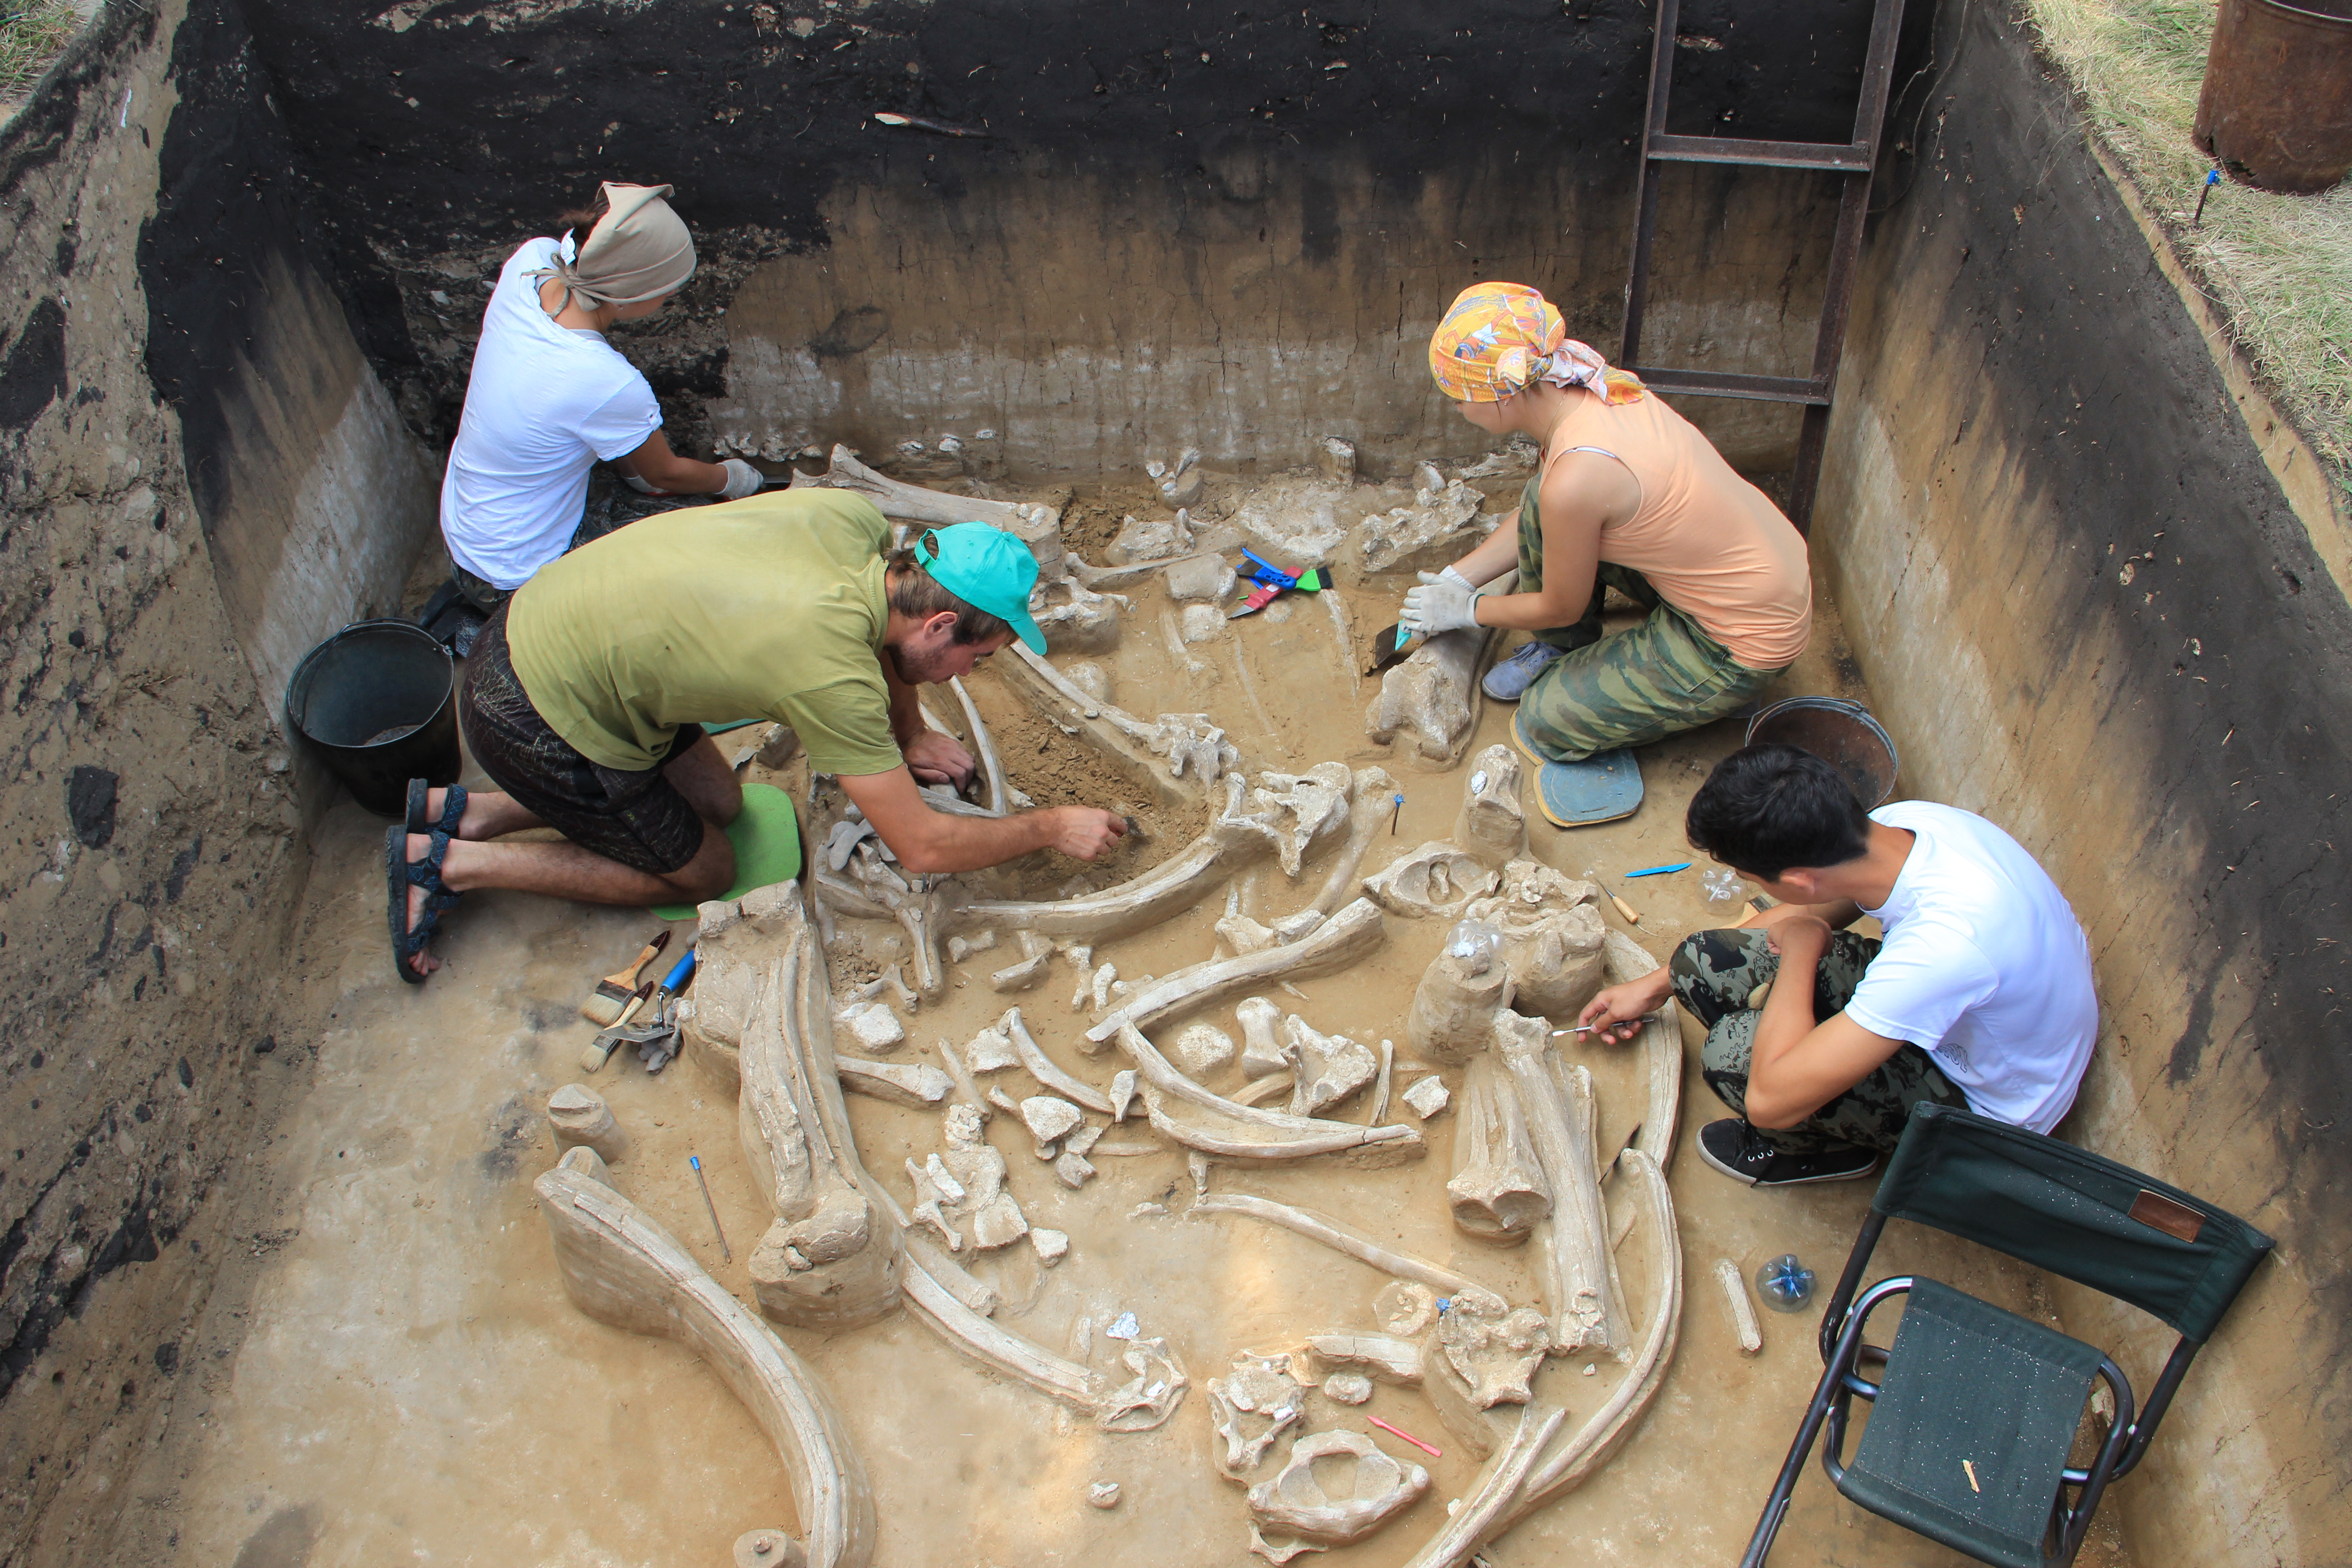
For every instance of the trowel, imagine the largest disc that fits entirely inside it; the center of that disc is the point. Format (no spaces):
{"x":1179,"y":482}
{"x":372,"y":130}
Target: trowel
{"x":1392,"y":646}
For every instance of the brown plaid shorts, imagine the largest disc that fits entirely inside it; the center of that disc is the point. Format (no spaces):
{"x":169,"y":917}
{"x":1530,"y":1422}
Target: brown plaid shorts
{"x":637,"y":818}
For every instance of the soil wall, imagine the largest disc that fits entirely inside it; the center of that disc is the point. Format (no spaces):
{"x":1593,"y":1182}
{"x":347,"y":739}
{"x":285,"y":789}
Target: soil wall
{"x":161,"y":555}
{"x":2070,"y":564}
{"x":1230,"y":226}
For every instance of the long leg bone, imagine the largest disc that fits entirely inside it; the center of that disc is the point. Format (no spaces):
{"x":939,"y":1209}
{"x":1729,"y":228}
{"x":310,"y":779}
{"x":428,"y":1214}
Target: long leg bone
{"x":1432,"y":698}
{"x":1200,"y":1120}
{"x":1588,"y":1310}
{"x":1373,"y":793}
{"x":1039,"y":527}
{"x":1497,"y":1193}
{"x":622,"y":1268}
{"x":1660,"y":1046}
{"x":824,"y":1263}
{"x":1340,"y":940}
{"x":1331,"y":1234}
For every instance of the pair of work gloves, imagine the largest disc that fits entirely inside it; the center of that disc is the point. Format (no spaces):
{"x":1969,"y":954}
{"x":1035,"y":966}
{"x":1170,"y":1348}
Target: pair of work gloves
{"x":1446,"y":601}
{"x":742,"y":480}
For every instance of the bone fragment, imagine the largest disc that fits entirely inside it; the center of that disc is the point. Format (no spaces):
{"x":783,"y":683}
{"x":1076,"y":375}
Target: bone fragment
{"x":1262,"y":1055}
{"x":1295,"y":1503}
{"x":1441,"y":524}
{"x":1258,"y":1092}
{"x":914,"y":1085}
{"x":1498,"y":1192}
{"x":1326,"y":1068}
{"x":1431,"y":701}
{"x":1202,"y":1121}
{"x":1082,"y":962}
{"x":962,"y":947}
{"x":1250,"y":1407}
{"x":1384,"y":1357}
{"x":1552,"y":937}
{"x":1343,"y":638}
{"x":1042,"y":1068}
{"x":1201,"y":1049}
{"x":1003,"y":1101}
{"x":1105,"y":975}
{"x":1587,"y":1307}
{"x":967,"y":1090}
{"x":879,"y":893}
{"x":1337,"y":1237}
{"x":1347,"y":1388}
{"x":1436,"y":879}
{"x":1428,"y":1097}
{"x":770,"y":1548}
{"x":991,"y":1050}
{"x":578,"y":1117}
{"x":1478,"y":1430}
{"x":1048,"y":1116}
{"x":1381,"y":1085}
{"x":1123,"y":1093}
{"x":1743,"y":1311}
{"x":1103,"y":1494}
{"x":1493,"y":824}
{"x":1455,"y":1007}
{"x":1404,"y":1308}
{"x":1495,"y":1353}
{"x":1338,"y":941}
{"x":622,"y":1268}
{"x":872,"y":1027}
{"x":1036,"y":953}
{"x":1052,"y":1246}
{"x":1072,"y":1170}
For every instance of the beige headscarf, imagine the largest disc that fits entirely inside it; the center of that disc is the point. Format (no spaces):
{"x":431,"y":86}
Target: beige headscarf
{"x":638,"y":250}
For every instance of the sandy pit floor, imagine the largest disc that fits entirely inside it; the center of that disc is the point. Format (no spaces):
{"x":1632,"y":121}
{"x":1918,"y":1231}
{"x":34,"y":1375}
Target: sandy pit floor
{"x":408,"y":1383}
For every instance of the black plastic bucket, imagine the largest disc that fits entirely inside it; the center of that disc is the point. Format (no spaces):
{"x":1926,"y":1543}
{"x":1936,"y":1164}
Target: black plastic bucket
{"x":379,"y":700}
{"x":1841,"y":734}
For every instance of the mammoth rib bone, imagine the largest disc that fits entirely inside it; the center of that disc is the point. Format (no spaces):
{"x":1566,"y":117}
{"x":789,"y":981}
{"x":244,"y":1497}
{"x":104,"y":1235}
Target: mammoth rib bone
{"x":1315,"y":1227}
{"x":622,"y":1268}
{"x":1340,"y":940}
{"x":1586,"y":1306}
{"x":1235,"y":1132}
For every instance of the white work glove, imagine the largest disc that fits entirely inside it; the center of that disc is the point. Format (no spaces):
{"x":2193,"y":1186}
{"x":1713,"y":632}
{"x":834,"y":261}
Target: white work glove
{"x":640,"y":486}
{"x":742,"y":480}
{"x":1446,"y":601}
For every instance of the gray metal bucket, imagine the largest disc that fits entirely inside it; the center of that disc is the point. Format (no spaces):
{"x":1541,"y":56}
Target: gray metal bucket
{"x":1841,"y":734}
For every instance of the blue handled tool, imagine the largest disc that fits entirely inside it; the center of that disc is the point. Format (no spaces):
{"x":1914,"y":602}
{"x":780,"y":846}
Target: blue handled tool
{"x":1273,"y":582}
{"x":658,"y":1043}
{"x":725,"y":1251}
{"x":1660,"y":870}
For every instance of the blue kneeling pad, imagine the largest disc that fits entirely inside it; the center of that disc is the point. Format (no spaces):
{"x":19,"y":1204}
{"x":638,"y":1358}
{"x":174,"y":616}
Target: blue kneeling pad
{"x":1598,"y":789}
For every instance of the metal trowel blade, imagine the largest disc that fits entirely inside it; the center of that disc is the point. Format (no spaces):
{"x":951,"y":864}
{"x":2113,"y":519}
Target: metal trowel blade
{"x":1390,"y":646}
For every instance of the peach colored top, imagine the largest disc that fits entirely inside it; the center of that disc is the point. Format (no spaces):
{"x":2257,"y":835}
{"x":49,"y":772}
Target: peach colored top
{"x":1712,"y":544}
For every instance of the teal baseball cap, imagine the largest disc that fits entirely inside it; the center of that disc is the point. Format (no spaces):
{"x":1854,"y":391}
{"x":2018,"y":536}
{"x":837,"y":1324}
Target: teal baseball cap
{"x":988,"y":569}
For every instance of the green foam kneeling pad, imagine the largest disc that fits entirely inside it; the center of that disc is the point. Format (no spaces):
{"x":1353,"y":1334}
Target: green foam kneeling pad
{"x":766,"y":834}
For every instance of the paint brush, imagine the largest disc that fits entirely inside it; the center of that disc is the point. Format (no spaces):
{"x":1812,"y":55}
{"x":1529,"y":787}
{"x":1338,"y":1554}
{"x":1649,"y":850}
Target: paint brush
{"x":604,"y":1006}
{"x":601,"y":1048}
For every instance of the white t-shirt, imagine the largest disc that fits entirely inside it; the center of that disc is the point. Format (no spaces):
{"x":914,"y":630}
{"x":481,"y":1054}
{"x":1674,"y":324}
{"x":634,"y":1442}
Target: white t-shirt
{"x":1984,"y":967}
{"x":543,"y":405}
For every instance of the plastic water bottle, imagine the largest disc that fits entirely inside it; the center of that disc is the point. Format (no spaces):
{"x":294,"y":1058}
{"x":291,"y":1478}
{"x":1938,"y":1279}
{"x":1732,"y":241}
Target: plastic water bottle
{"x":1785,"y":1284}
{"x":1723,"y":888}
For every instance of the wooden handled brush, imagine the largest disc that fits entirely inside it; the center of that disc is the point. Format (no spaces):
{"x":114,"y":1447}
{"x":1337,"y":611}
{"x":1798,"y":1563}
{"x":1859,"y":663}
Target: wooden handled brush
{"x":604,"y":1006}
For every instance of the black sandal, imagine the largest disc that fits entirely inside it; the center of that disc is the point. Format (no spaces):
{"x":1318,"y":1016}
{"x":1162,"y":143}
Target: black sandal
{"x":453,"y":809}
{"x":401,"y":874}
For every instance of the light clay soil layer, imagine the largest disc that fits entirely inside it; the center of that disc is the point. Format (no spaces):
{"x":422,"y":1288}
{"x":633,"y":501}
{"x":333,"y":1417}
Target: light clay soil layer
{"x":412,"y":1385}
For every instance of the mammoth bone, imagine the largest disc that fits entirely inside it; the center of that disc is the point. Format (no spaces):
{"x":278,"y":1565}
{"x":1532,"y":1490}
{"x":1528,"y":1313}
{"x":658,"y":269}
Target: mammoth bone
{"x":1431,"y":700}
{"x":622,"y":1268}
{"x":1295,"y":1503}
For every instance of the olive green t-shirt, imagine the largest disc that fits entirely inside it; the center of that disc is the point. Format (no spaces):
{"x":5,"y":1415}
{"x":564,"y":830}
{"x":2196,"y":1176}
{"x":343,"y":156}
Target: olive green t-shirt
{"x":768,"y":607}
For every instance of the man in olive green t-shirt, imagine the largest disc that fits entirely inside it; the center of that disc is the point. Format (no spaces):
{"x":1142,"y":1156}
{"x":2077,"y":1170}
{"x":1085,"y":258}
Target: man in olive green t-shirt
{"x":586,"y":694}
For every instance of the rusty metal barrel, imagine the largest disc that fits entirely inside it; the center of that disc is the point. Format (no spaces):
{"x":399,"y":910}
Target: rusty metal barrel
{"x":2276,"y":109}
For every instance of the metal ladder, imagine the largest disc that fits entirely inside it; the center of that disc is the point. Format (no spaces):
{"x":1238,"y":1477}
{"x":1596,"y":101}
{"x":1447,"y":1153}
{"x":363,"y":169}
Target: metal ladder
{"x":1853,"y":159}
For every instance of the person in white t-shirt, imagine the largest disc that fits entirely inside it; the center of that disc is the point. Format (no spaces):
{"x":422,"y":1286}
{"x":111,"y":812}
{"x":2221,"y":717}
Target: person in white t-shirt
{"x":549,"y":396}
{"x":1979,"y":995}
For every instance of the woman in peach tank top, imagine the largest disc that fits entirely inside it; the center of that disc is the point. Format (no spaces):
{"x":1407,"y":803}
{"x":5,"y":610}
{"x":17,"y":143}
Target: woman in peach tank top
{"x":1629,"y":496}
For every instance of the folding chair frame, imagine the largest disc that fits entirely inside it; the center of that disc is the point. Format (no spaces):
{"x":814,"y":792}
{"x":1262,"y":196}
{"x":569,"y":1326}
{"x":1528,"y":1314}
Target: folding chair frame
{"x":1843,"y":1350}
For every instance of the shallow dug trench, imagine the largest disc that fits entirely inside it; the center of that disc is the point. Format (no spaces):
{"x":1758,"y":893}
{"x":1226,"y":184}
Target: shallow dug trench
{"x":413,"y":1384}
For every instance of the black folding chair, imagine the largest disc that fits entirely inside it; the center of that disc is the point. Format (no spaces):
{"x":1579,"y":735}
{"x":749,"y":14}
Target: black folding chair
{"x":1973,"y":1421}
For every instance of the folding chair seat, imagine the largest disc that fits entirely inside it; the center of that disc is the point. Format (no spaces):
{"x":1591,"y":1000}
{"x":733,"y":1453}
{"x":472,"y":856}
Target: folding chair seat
{"x":1972,"y":1422}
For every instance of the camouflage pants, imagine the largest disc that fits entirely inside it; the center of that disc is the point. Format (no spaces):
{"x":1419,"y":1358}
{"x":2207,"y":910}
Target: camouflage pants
{"x":1715,"y":972}
{"x":1659,"y":679}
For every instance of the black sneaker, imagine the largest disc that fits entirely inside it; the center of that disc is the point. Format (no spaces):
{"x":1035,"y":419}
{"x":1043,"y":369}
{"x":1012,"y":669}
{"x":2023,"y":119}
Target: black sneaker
{"x":1740,"y":1152}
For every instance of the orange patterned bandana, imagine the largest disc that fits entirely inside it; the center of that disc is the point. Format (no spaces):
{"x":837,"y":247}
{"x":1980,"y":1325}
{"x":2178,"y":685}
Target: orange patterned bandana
{"x":1501,"y":338}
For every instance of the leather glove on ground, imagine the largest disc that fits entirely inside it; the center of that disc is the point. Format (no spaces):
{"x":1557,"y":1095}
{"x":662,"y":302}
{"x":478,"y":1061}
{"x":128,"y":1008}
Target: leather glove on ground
{"x":742,"y":480}
{"x":1446,"y":601}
